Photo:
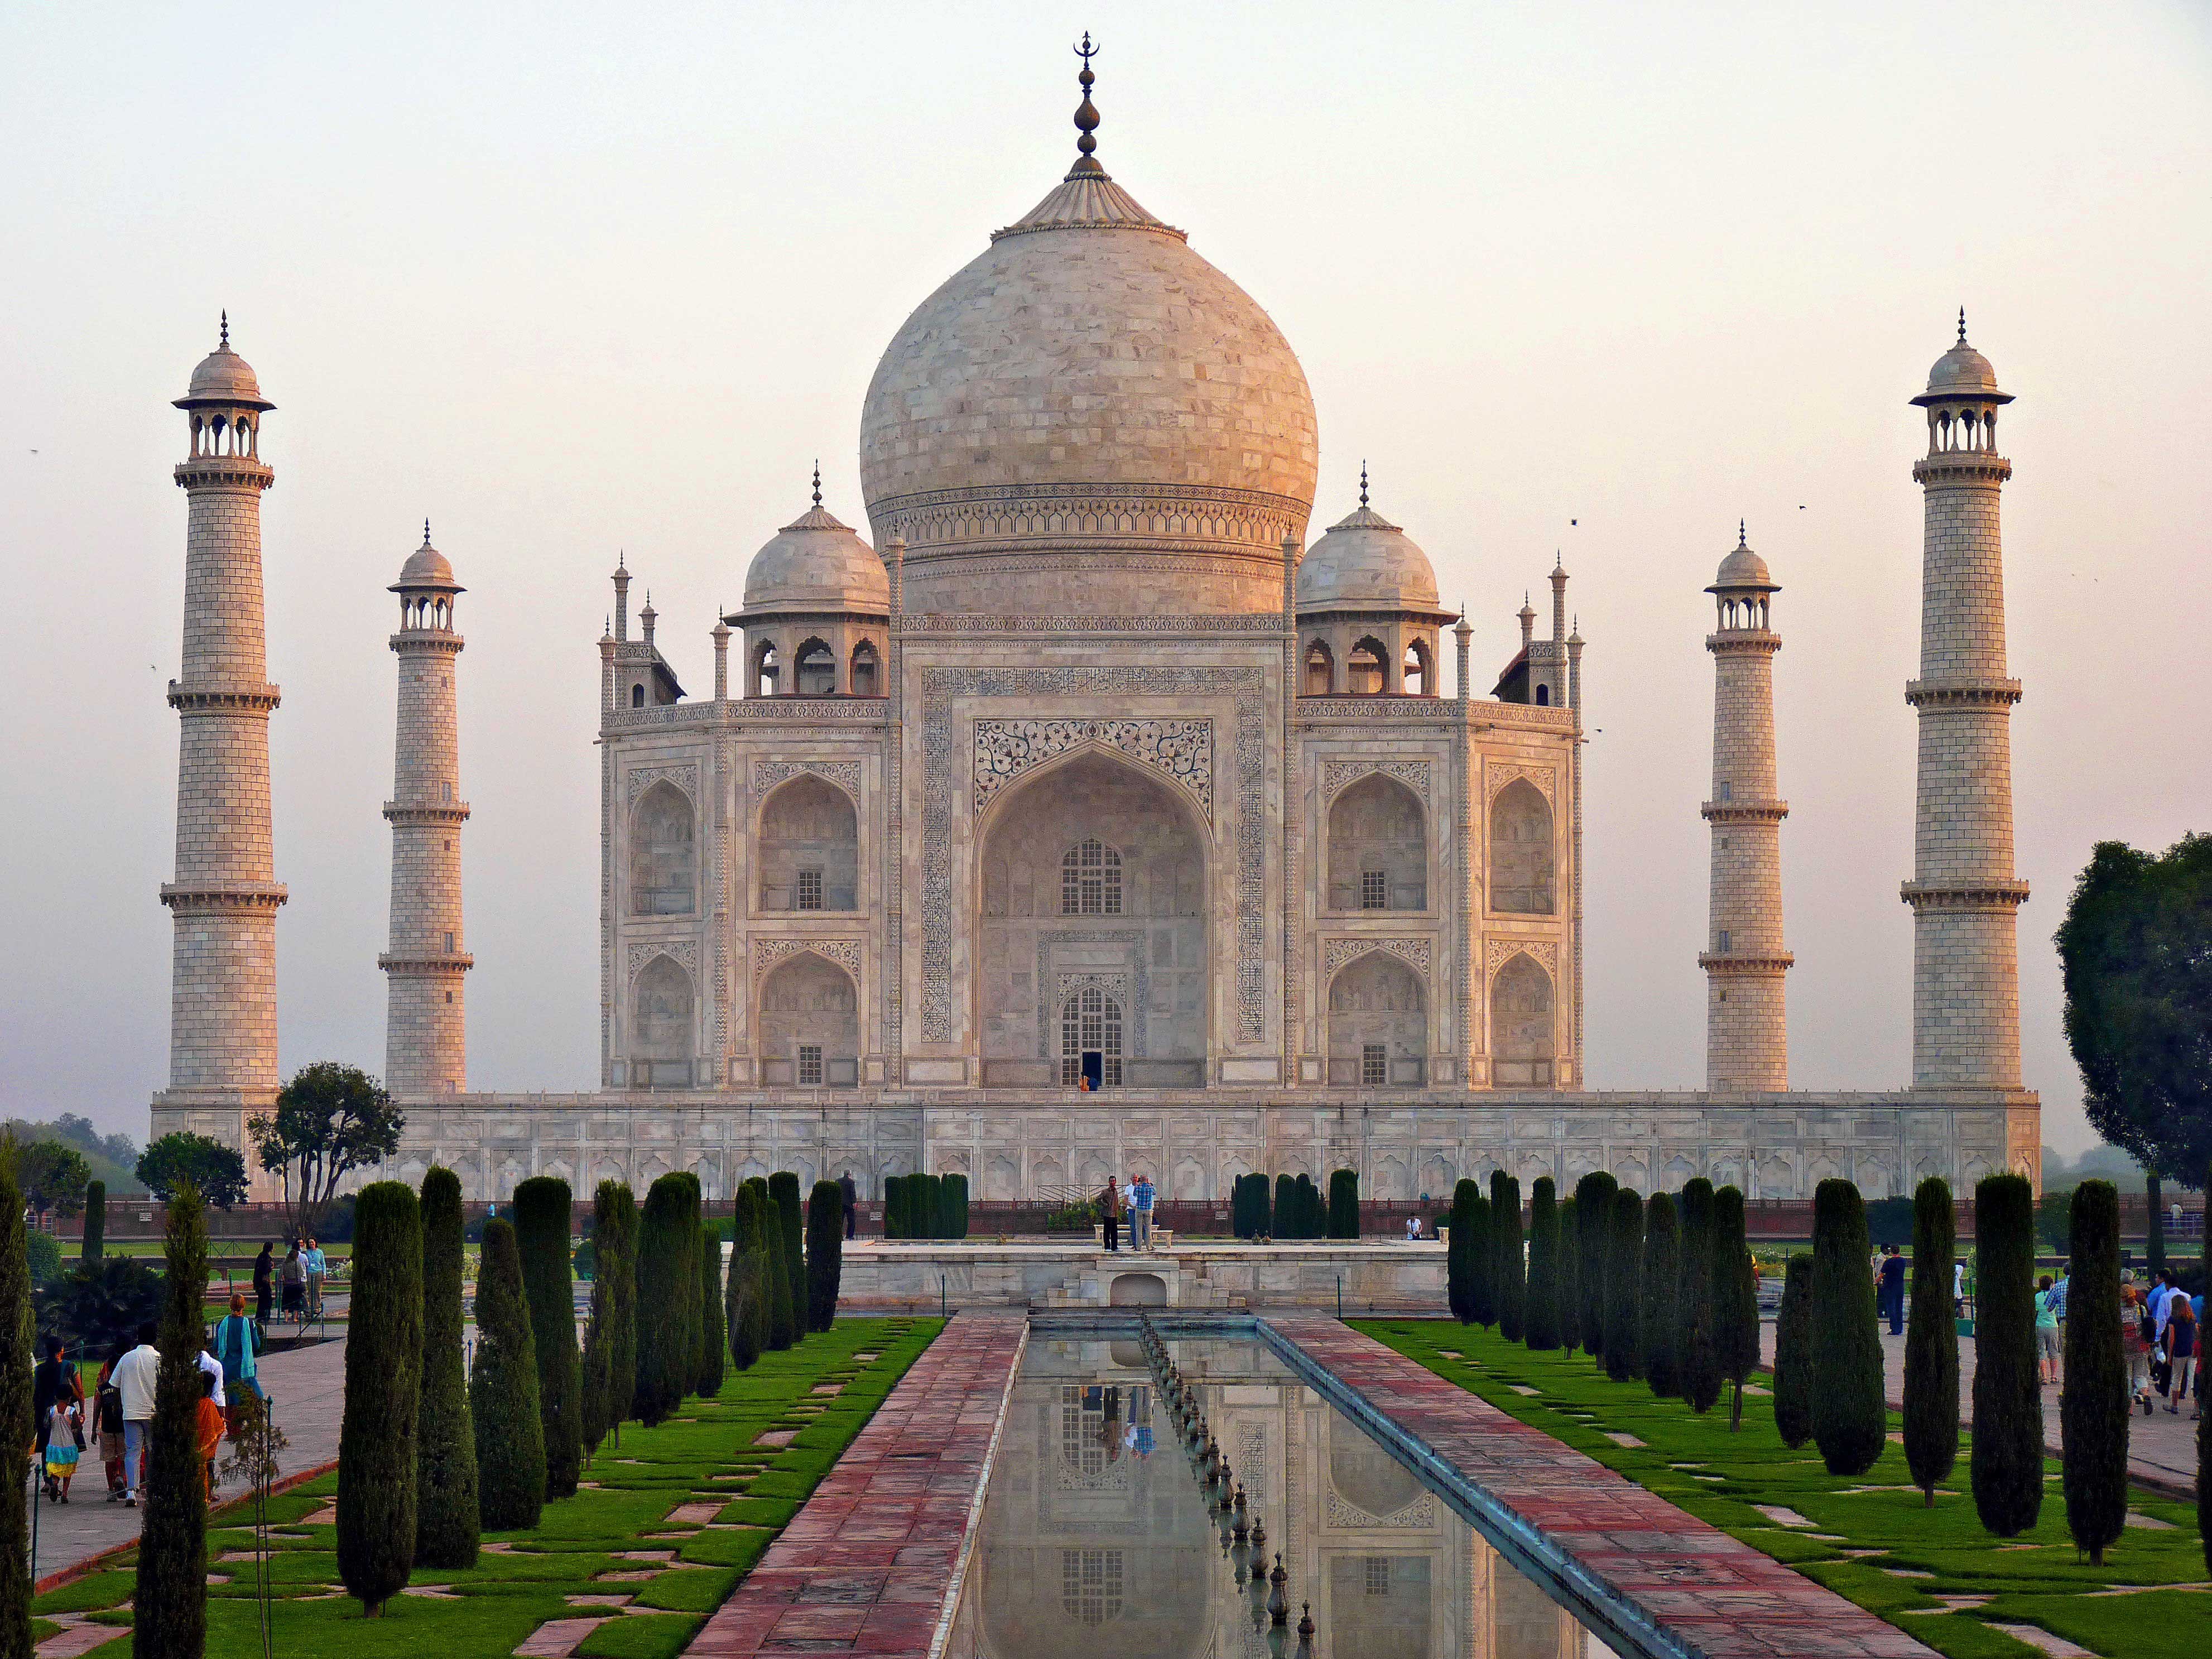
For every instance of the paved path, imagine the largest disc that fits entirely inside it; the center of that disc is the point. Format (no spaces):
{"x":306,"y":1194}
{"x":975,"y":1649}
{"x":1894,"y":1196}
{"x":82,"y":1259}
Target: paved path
{"x":308,"y":1387}
{"x":868,"y":1566}
{"x":2161,"y":1449}
{"x":1691,"y":1580}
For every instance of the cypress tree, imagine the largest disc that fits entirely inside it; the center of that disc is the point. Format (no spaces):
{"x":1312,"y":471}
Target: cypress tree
{"x":1594,"y":1198}
{"x":1243,"y":1217}
{"x":1793,"y":1355}
{"x":1697,"y":1360}
{"x":776,"y":1287}
{"x":1850,"y":1421}
{"x":503,"y":1389}
{"x":1505,"y":1255}
{"x":170,"y":1608}
{"x":667,"y":1238}
{"x":2007,"y":1459}
{"x":446,"y":1521}
{"x":825,"y":1249}
{"x":2204,"y":1460}
{"x":1661,"y":1271}
{"x":622,"y":1309}
{"x":1459,"y":1281}
{"x":17,"y":1362}
{"x":2094,"y":1407}
{"x":694,"y":1315}
{"x":1481,"y":1261}
{"x":956,"y":1208}
{"x":1624,"y":1289}
{"x":541,"y":1234}
{"x":1286,"y":1217}
{"x":606,"y":1396}
{"x":894,"y":1206}
{"x":95,"y":1221}
{"x":1540,"y":1309}
{"x":715,"y":1339}
{"x":1570,"y":1275}
{"x":783,"y":1188}
{"x":1344,"y":1204}
{"x":741,"y":1291}
{"x":377,"y":1450}
{"x":1931,"y":1343}
{"x":1736,"y":1293}
{"x":1305,"y":1201}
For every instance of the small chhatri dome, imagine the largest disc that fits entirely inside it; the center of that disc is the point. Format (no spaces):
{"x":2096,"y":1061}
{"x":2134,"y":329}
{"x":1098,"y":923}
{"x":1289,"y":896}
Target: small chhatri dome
{"x":816,"y":563}
{"x":1962,"y":372}
{"x":426,"y":571}
{"x":1363,"y":562}
{"x":224,"y":377}
{"x":1743,"y":570}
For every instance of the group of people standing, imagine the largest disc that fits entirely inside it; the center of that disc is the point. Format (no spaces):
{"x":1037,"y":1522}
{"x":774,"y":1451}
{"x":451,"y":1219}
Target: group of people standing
{"x":1138,"y":1206}
{"x":2158,"y":1337}
{"x":302,"y":1272}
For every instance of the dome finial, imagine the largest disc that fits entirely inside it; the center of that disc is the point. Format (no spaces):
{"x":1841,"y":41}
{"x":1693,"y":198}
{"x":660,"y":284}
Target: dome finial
{"x":224,"y":345}
{"x":426,"y":532}
{"x":1086,"y":116}
{"x":1362,"y":483}
{"x":817,"y":482}
{"x":1739,"y":540}
{"x":1962,"y":326}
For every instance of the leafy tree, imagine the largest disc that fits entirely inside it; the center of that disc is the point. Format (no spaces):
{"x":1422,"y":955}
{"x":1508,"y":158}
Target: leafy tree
{"x":44,"y":1257}
{"x":377,"y":1437}
{"x":1735,"y":1300}
{"x":714,"y":1352}
{"x":2093,"y":1409}
{"x":445,"y":1519}
{"x":330,"y":1120}
{"x":1509,"y":1270}
{"x":17,"y":1360}
{"x":90,"y":1305}
{"x":1697,"y":1354}
{"x":2052,"y":1225}
{"x":826,"y":1252}
{"x":1569,"y":1274}
{"x":503,"y":1390}
{"x":1344,"y":1204}
{"x":611,"y":1350}
{"x":1850,"y":1421}
{"x":1931,"y":1343}
{"x":169,"y":1606}
{"x":1793,"y":1355}
{"x":1623,"y":1290}
{"x":667,"y":1281}
{"x":783,"y":1188}
{"x":217,"y":1170}
{"x":1593,"y":1197}
{"x":1662,"y":1273}
{"x":1540,"y":1309}
{"x":2136,"y":956}
{"x":743,"y":1311}
{"x":95,"y":1221}
{"x":2007,"y":1458}
{"x":541,"y":1234}
{"x":53,"y":1177}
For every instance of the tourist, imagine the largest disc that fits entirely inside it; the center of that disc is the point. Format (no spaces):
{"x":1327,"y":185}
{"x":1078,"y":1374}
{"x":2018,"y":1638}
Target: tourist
{"x":2181,"y":1348}
{"x":1141,"y":1213}
{"x":1892,"y":1288}
{"x":2058,"y":1288}
{"x":2046,"y":1332}
{"x":134,"y":1379}
{"x":107,"y":1419}
{"x":1109,"y":1212}
{"x":312,"y":1259}
{"x":54,"y":1386}
{"x":210,"y":1366}
{"x":207,"y":1428}
{"x":1959,"y":1288}
{"x":851,"y":1194}
{"x":237,"y":1341}
{"x":61,"y":1440}
{"x":264,"y":1283}
{"x":1413,"y":1230}
{"x":2135,"y":1345}
{"x":295,"y":1285}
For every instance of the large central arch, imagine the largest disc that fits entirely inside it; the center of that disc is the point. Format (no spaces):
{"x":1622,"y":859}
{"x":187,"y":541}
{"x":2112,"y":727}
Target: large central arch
{"x":1092,"y":871}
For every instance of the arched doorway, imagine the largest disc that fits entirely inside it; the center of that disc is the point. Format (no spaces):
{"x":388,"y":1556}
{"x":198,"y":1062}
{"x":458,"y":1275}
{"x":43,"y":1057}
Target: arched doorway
{"x":810,"y":1025}
{"x":1378,"y":1025}
{"x":1090,"y":1040}
{"x":1521,"y":1031}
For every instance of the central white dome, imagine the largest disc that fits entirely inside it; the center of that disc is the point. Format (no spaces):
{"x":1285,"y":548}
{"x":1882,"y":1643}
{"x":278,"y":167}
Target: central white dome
{"x":1086,"y":396}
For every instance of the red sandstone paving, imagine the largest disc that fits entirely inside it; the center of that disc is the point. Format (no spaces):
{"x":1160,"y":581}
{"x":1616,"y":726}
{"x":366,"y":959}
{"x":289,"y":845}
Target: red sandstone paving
{"x":867,"y":1562}
{"x":1722,"y":1597}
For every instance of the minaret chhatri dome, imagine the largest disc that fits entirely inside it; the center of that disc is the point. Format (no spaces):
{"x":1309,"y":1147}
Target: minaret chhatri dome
{"x":1089,"y":418}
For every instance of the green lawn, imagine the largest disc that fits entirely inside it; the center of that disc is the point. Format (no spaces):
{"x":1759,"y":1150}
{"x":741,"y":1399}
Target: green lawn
{"x":704,"y":1452}
{"x":1869,"y":1540}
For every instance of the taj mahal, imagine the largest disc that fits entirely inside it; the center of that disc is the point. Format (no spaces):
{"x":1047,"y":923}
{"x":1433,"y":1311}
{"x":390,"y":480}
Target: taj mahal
{"x":1085,"y":806}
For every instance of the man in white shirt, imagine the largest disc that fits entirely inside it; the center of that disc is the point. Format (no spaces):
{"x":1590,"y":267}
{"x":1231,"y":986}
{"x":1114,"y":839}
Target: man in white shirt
{"x":212,"y":1366}
{"x":134,"y":1379}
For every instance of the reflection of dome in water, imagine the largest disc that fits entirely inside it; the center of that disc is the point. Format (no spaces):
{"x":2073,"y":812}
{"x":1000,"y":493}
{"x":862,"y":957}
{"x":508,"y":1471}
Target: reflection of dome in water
{"x":1368,"y":1478}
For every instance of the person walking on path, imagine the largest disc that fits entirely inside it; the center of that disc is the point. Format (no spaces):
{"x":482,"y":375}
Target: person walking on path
{"x":59,"y":1431}
{"x":294,"y":1275}
{"x":134,"y":1379}
{"x":1957,"y":1290}
{"x":2046,"y":1332}
{"x":107,"y":1419}
{"x":207,"y":1428}
{"x":264,"y":1283}
{"x":2058,"y":1300}
{"x":210,"y":1366}
{"x":1141,"y":1213}
{"x":2180,"y":1349}
{"x":1892,"y":1288}
{"x":2135,"y":1347}
{"x":318,"y":1268}
{"x":851,"y":1194}
{"x":54,"y":1384}
{"x":237,"y":1344}
{"x":1109,"y":1211}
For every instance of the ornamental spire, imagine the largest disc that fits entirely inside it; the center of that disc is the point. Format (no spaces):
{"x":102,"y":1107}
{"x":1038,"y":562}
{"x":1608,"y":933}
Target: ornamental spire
{"x":1362,"y":483}
{"x":224,"y":345}
{"x":426,"y":532}
{"x":818,"y":483}
{"x":1962,"y":326}
{"x":1086,"y":116}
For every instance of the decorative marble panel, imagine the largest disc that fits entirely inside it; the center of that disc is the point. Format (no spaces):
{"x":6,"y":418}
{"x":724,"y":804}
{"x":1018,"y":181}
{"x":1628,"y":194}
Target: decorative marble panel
{"x":1337,"y":952}
{"x":1336,"y":774}
{"x":1134,"y":1003}
{"x":1496,"y":952}
{"x":1497,"y":775}
{"x":639,"y":778}
{"x":845,"y":773}
{"x":767,"y":953}
{"x":683,"y":952}
{"x":1421,"y":1512}
{"x":1182,"y":751}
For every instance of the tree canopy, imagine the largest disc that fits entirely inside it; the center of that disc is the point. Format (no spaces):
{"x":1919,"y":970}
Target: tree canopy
{"x":330,"y":1120}
{"x":53,"y":1176}
{"x":219,"y":1171}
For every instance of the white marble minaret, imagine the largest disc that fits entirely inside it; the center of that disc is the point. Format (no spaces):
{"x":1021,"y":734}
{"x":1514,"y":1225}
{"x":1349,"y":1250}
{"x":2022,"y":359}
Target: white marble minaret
{"x":222,"y":1006}
{"x":1964,"y":892}
{"x":1747,"y":1027}
{"x":426,"y":1047}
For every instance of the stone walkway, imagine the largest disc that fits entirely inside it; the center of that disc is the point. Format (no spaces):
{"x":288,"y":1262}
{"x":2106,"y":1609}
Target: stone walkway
{"x":1702,"y":1586}
{"x":868,"y":1566}
{"x":2161,"y":1449}
{"x":309,"y":1388}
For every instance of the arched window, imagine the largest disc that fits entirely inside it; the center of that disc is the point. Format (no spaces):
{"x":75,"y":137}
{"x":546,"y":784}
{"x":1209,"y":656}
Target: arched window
{"x":637,"y":697}
{"x":1090,"y":1040}
{"x":818,"y":670}
{"x":1364,"y":670}
{"x":810,"y":847}
{"x":1521,"y":867}
{"x":1378,"y":852}
{"x":1090,"y":880}
{"x":660,"y":1026}
{"x":663,"y":853}
{"x":1415,"y":680}
{"x":864,"y":670}
{"x":1377,"y":1024}
{"x":1543,"y":697}
{"x":809,"y":1024}
{"x":1321,"y":670}
{"x":767,"y":670}
{"x":1521,"y":1023}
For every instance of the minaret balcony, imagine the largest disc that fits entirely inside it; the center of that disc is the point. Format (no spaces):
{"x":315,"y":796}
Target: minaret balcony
{"x":1976,"y":895}
{"x":1744,"y":640}
{"x":426,"y":639}
{"x":1962,"y":466}
{"x":181,"y":896}
{"x":427,"y":962}
{"x":424,"y":813}
{"x":215,"y":472}
{"x":1744,"y":812}
{"x":223,"y":697}
{"x":1747,"y":962}
{"x":1962,"y":694}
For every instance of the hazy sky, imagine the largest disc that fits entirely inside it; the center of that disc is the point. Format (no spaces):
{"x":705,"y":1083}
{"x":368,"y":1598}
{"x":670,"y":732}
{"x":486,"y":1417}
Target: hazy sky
{"x":571,"y":279}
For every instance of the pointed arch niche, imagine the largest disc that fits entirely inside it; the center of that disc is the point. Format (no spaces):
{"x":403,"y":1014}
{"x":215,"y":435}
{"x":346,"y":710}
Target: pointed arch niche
{"x":1378,"y":855}
{"x":1379,"y":1024}
{"x":661,"y":1022}
{"x":1522,"y":877}
{"x":664,"y":853}
{"x":809,"y":1022}
{"x":1522,"y":1024}
{"x":810,"y":847}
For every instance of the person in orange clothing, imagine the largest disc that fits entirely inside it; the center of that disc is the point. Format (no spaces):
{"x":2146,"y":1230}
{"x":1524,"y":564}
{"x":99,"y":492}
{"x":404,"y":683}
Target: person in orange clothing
{"x":209,"y":1427}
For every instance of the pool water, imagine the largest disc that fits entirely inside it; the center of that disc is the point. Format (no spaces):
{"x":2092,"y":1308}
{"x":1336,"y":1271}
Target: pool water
{"x":1098,"y":1538}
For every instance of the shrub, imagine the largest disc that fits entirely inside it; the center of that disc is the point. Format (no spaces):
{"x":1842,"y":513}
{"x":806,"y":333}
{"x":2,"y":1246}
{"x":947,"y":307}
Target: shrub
{"x":1507,"y":1267}
{"x":95,"y":1221}
{"x":1850,"y":1421}
{"x":2094,"y":1407}
{"x":1569,"y":1279}
{"x":783,"y":1188}
{"x":610,"y":1365}
{"x":541,"y":1234}
{"x":713,"y":1342}
{"x":377,"y":1451}
{"x":1662,"y":1268}
{"x":825,"y":1249}
{"x":1286,"y":1217}
{"x":741,"y":1289}
{"x":1624,"y":1298}
{"x":956,"y":1211}
{"x":1931,"y":1343}
{"x":1697,"y":1360}
{"x":1793,"y":1355}
{"x":17,"y":1361}
{"x":1344,"y":1204}
{"x":446,"y":1521}
{"x":1594,"y":1199}
{"x":1539,"y":1316}
{"x":42,"y":1257}
{"x":1251,"y":1190}
{"x":92,"y":1302}
{"x":503,"y":1390}
{"x":2007,"y":1459}
{"x":667,"y":1299}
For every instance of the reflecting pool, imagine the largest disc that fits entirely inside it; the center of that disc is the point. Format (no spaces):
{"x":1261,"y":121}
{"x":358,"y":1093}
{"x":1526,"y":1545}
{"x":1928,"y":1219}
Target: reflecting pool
{"x":1100,"y":1538}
